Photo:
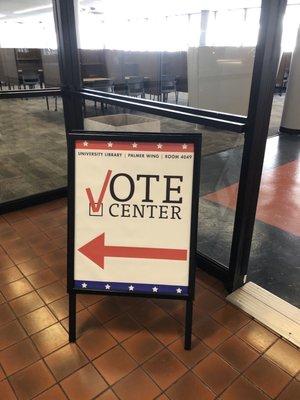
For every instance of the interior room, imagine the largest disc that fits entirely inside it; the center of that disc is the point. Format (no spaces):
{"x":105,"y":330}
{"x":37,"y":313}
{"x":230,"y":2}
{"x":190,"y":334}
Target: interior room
{"x":169,"y":67}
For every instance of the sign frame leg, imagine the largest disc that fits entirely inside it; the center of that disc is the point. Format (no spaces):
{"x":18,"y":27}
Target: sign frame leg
{"x":72,"y":317}
{"x":188,"y":325}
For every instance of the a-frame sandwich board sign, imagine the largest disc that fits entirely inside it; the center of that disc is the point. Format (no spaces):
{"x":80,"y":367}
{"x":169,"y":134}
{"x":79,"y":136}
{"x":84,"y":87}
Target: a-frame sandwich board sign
{"x":133,"y":216}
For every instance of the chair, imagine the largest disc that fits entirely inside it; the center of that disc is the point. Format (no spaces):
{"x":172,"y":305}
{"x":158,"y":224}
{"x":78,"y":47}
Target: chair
{"x":135,"y":86}
{"x":41,"y":77}
{"x":152,"y":87}
{"x":168,"y":85}
{"x":121,"y":86}
{"x":20,"y":78}
{"x":131,"y":69}
{"x":105,"y":86}
{"x":30,"y":79}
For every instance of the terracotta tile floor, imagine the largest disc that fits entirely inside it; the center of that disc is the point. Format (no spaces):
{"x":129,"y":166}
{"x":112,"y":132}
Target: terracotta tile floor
{"x":128,"y":349}
{"x":278,"y":203}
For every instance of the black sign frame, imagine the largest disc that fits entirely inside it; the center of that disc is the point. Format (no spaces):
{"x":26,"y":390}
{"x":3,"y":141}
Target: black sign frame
{"x":196,"y":140}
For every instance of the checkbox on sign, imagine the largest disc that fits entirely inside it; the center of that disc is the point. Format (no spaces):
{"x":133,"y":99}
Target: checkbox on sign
{"x":96,"y":210}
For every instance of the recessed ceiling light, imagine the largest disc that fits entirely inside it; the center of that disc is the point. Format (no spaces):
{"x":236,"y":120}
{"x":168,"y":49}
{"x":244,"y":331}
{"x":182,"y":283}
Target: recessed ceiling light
{"x":27,"y":10}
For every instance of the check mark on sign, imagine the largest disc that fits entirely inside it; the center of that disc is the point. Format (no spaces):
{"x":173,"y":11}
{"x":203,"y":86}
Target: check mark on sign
{"x":96,"y":251}
{"x":96,"y":205}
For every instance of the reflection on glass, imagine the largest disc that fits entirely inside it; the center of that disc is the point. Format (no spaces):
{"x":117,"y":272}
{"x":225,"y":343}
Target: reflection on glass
{"x":32,"y":147}
{"x":28,"y":55}
{"x":176,"y":51}
{"x":218,"y":187}
{"x":204,"y":51}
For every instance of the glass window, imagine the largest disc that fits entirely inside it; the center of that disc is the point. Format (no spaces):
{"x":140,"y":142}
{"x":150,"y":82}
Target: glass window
{"x":28,"y":48}
{"x":226,"y":27}
{"x":251,"y":26}
{"x":194,"y":30}
{"x":32,"y":131}
{"x":177,"y":52}
{"x":291,"y":24}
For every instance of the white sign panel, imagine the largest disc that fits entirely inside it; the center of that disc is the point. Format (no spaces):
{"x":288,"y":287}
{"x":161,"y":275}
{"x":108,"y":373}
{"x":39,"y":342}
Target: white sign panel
{"x":133,"y":206}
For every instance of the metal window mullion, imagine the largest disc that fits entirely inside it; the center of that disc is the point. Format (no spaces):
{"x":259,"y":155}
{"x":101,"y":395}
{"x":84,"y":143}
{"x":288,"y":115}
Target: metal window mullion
{"x":168,"y":113}
{"x":260,"y":105}
{"x":171,"y":106}
{"x":69,"y":65}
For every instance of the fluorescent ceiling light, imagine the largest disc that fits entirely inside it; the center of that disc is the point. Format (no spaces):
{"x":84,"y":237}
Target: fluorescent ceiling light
{"x":27,"y":10}
{"x":2,"y":15}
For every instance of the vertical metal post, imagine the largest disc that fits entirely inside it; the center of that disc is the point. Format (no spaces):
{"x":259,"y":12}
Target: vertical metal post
{"x":65,"y":16}
{"x":188,"y":325}
{"x":72,"y":317}
{"x":261,"y":97}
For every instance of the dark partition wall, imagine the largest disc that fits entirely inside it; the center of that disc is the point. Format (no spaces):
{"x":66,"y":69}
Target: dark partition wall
{"x":175,"y":65}
{"x":10,"y":70}
{"x":114,"y":64}
{"x":119,"y":65}
{"x":2,"y":77}
{"x":17,"y":65}
{"x":50,"y":67}
{"x":28,"y":60}
{"x":92,"y":63}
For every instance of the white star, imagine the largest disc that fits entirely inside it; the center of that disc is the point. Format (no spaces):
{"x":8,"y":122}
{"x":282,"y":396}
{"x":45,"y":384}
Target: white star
{"x":84,"y":285}
{"x":131,"y":288}
{"x":107,"y":286}
{"x":178,"y":290}
{"x":109,"y":144}
{"x":85,"y":143}
{"x":159,"y":146}
{"x":134,"y":145}
{"x":155,"y":289}
{"x":184,"y":146}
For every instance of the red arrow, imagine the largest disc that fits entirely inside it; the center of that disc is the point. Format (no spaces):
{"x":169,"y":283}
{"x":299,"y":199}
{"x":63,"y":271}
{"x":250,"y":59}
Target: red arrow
{"x":96,"y":251}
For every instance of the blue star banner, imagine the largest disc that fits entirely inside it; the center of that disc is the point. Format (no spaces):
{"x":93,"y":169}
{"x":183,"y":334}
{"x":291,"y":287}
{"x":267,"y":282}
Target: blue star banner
{"x":129,"y":287}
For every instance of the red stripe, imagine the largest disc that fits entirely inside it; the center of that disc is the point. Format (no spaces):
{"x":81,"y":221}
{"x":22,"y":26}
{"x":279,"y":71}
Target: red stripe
{"x":141,"y":146}
{"x":145,"y":252}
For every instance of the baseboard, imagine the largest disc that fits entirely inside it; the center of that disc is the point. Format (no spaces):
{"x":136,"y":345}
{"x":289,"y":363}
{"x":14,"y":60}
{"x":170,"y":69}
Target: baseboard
{"x":290,"y":131}
{"x":32,"y":200}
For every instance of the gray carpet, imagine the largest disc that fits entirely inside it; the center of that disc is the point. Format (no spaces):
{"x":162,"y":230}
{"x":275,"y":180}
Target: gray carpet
{"x":33,"y":145}
{"x":32,"y":148}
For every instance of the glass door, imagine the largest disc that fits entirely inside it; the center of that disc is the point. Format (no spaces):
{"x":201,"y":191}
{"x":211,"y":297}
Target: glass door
{"x":180,"y":60}
{"x":172,"y":66}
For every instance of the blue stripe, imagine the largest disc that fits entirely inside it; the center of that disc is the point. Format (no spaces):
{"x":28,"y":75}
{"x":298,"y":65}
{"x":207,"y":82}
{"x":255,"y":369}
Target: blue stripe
{"x":132,"y":287}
